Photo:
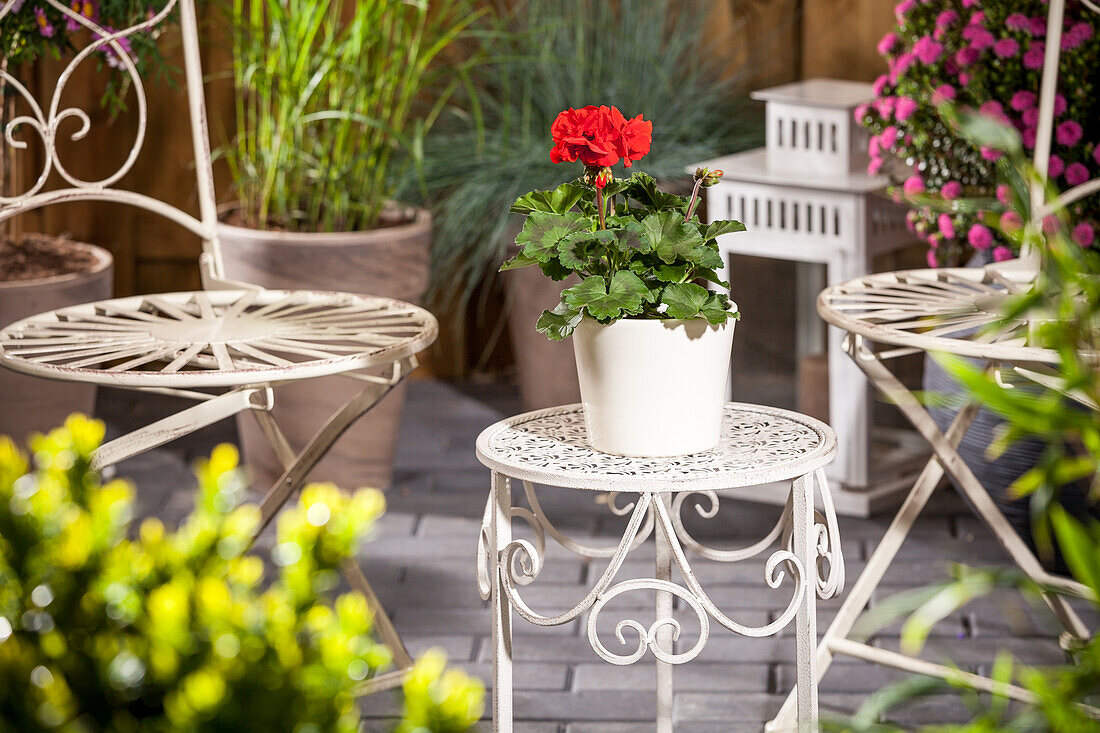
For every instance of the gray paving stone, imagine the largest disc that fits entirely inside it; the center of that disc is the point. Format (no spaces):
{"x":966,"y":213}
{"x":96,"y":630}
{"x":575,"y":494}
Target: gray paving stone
{"x":525,"y":676}
{"x":974,"y":652}
{"x":464,"y":621}
{"x":457,"y":648}
{"x":691,"y":676}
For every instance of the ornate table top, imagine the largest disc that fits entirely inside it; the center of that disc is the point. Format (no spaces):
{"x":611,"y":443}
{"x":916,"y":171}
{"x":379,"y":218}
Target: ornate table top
{"x":949,"y":310}
{"x":759,"y":445}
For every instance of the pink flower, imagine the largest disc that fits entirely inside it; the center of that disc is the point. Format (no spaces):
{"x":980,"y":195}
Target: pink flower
{"x":885,"y":106}
{"x":879,"y":85}
{"x":1030,"y":117}
{"x":1022,"y":100}
{"x":1050,"y":224}
{"x":902,"y":8}
{"x":1017,"y":22}
{"x":1076,"y":35}
{"x":861,"y":112}
{"x":946,"y":18}
{"x":967,"y":56}
{"x":980,"y":237}
{"x":1006,"y":48}
{"x":1001,"y":253}
{"x":1004,"y":193}
{"x":930,"y":258}
{"x":977,"y":18}
{"x":1084,"y":234}
{"x":1076,"y":174}
{"x":900,"y":65}
{"x":905,"y":108}
{"x":951,"y":190}
{"x":888,"y":137}
{"x":1033,"y":58}
{"x":887,"y":44}
{"x":1096,"y":154}
{"x":1068,"y":133}
{"x":1038,"y":26}
{"x":874,"y":166}
{"x":991,"y":154}
{"x":44,"y":25}
{"x":993,"y":109}
{"x":913,"y":185}
{"x":1059,"y":104}
{"x":947,"y":227}
{"x":1011,"y":221}
{"x":943,"y":93}
{"x":87,"y":8}
{"x":964,"y":79}
{"x":1055,"y":166}
{"x":969,"y":3}
{"x":928,"y":51}
{"x":980,"y":39}
{"x":1029,"y":137}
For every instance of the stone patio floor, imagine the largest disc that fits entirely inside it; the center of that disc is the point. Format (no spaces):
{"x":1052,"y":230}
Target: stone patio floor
{"x":421,"y":562}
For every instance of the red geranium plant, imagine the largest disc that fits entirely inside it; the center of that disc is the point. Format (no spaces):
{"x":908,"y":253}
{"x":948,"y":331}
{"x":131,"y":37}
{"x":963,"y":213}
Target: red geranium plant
{"x":640,"y":252}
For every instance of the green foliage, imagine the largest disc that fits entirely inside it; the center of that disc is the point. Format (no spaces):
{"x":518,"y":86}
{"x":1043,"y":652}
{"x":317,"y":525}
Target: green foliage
{"x":102,"y":629}
{"x":1064,"y":309}
{"x":642,"y":265}
{"x":331,"y":110}
{"x":640,"y":55}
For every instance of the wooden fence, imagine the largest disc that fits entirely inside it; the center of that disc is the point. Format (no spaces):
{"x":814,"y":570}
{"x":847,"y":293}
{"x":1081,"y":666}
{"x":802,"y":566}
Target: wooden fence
{"x":782,"y":40}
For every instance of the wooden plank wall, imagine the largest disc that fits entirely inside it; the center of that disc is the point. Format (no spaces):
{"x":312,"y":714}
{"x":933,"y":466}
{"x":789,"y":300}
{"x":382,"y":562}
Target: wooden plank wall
{"x":769,"y":42}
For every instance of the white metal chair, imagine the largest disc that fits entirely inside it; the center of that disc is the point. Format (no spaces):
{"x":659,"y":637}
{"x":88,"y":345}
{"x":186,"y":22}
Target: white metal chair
{"x":948,"y":311}
{"x":224,"y":346}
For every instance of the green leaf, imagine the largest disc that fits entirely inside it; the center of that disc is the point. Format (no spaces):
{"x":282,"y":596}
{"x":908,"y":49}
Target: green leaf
{"x":558,"y":201}
{"x":520,"y":260}
{"x":559,"y":322}
{"x":718,"y":228}
{"x":672,"y":238}
{"x":673,"y":273}
{"x":683,"y":300}
{"x":710,"y":275}
{"x":554,"y":269}
{"x":1078,"y":547}
{"x":624,"y":295}
{"x":643,"y":189}
{"x":542,"y":232}
{"x":717,"y":309}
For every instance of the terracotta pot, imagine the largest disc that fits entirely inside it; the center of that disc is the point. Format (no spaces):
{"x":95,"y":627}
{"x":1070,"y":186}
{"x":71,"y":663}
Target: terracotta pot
{"x":34,"y":404}
{"x":388,"y":261}
{"x":546,"y":370}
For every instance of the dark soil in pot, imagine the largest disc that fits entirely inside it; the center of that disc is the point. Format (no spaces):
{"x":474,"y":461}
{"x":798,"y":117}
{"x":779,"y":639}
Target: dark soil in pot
{"x":39,"y":256}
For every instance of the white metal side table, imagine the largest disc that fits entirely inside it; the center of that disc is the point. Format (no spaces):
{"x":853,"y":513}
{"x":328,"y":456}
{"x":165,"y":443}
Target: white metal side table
{"x":759,"y":444}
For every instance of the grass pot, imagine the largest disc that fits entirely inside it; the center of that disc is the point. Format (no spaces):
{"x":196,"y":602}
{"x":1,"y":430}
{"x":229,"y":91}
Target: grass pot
{"x":29,"y":403}
{"x":653,"y":388}
{"x":389,"y":261}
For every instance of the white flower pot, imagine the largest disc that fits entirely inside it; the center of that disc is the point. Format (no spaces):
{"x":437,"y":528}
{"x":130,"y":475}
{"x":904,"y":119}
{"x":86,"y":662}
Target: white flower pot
{"x":653,"y":388}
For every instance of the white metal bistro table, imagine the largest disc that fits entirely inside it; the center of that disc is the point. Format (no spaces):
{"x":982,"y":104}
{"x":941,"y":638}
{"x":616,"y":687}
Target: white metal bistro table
{"x":949,"y":311}
{"x":759,"y":444}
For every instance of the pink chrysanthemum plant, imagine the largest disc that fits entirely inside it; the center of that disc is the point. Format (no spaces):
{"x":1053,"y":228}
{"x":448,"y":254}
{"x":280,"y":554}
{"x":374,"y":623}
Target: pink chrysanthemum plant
{"x":986,"y":57}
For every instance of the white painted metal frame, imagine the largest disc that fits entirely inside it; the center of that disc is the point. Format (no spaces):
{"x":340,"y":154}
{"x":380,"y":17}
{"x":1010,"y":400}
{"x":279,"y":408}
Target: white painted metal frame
{"x":940,"y":311}
{"x":759,"y":444}
{"x":231,"y":337}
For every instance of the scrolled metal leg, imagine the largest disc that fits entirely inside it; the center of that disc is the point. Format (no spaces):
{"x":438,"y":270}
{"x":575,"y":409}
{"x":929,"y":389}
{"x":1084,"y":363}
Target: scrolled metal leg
{"x":805,"y":549}
{"x":500,"y":535}
{"x":663,"y":568}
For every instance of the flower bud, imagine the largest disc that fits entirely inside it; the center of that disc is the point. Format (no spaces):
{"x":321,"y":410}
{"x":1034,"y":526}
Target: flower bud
{"x":602,"y":178}
{"x":712,"y":177}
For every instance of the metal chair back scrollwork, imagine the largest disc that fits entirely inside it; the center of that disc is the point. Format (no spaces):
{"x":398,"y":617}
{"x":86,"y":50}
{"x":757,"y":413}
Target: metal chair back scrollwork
{"x":47,"y":118}
{"x":223,"y":347}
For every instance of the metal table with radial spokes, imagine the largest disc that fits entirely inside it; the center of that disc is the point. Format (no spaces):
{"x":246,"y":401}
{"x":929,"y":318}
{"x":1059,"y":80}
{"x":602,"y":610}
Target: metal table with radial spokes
{"x":759,"y":445}
{"x":948,"y":311}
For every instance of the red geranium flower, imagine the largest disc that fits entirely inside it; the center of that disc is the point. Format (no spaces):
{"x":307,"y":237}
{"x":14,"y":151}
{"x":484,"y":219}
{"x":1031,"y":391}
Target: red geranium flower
{"x":599,"y":137}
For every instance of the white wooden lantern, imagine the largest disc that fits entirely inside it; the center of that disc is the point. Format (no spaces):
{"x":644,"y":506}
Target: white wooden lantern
{"x":806,"y":196}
